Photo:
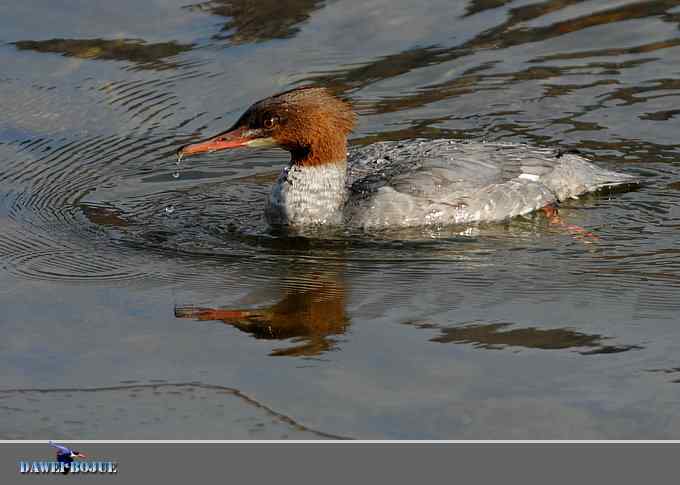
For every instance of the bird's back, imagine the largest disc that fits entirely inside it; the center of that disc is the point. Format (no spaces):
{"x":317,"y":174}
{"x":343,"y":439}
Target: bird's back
{"x":419,"y":182}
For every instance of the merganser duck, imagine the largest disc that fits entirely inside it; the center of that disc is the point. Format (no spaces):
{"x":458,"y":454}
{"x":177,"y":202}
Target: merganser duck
{"x":396,"y":183}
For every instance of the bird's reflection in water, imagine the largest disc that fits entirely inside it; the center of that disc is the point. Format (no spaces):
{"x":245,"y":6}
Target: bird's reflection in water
{"x":310,"y":311}
{"x":311,"y":316}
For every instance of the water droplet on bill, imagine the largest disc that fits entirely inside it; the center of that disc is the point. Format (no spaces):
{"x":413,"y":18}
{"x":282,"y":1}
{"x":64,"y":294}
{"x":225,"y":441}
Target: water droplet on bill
{"x":176,"y":173}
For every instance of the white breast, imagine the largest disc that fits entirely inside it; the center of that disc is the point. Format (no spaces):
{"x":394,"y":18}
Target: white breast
{"x":308,"y":195}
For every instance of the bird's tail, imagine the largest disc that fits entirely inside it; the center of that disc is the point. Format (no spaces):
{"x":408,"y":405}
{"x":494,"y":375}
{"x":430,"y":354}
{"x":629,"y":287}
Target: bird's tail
{"x":576,"y":176}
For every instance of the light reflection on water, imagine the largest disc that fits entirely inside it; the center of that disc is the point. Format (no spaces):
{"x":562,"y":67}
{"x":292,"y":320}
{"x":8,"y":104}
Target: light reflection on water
{"x":548,"y":335}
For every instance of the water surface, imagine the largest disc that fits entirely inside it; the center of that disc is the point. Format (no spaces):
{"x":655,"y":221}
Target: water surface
{"x":140,"y":305}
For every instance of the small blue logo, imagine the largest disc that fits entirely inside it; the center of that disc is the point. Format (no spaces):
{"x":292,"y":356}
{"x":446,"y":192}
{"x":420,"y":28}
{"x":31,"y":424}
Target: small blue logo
{"x":66,"y":463}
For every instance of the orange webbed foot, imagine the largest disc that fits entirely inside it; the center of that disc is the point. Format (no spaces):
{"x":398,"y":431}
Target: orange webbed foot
{"x":578,"y":232}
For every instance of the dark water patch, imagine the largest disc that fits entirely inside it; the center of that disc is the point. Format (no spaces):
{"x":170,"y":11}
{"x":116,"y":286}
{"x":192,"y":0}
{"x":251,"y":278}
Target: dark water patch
{"x":612,"y":52}
{"x":661,"y":115}
{"x":477,"y":6}
{"x":496,"y":336}
{"x":144,"y":55}
{"x":671,"y":372}
{"x":261,"y":21}
{"x":631,"y":95}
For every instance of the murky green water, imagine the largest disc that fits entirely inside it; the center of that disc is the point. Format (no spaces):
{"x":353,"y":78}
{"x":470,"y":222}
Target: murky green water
{"x":111,"y":268}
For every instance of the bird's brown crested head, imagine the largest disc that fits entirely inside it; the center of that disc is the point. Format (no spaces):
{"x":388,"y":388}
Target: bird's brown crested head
{"x":311,"y":123}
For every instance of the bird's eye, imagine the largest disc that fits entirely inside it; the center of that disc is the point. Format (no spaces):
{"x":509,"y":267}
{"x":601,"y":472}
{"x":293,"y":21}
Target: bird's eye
{"x":270,"y":121}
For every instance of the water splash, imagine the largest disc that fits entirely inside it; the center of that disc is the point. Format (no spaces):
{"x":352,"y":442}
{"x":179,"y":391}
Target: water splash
{"x":176,"y":173}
